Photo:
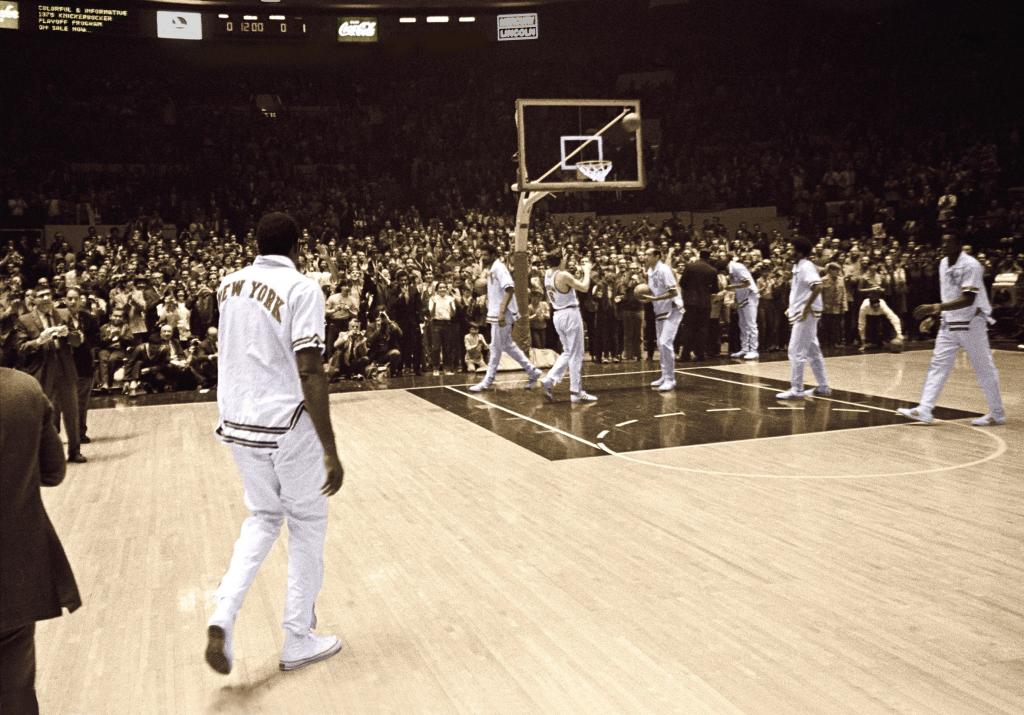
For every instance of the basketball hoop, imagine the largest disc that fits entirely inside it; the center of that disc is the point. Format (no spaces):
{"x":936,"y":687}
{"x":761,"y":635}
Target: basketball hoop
{"x":595,"y":169}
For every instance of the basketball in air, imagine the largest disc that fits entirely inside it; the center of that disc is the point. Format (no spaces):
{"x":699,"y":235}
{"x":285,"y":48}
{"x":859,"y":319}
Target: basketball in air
{"x":642,"y":289}
{"x":480,"y":286}
{"x":631,"y":122}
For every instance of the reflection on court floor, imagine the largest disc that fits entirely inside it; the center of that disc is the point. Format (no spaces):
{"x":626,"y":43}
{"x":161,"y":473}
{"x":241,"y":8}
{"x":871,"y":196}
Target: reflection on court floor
{"x":709,"y":406}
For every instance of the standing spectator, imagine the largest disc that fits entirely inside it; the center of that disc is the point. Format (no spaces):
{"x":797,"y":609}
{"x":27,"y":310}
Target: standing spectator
{"x":83,"y":337}
{"x":698,"y":281}
{"x":406,"y":309}
{"x":540,"y":313}
{"x":441,"y":309}
{"x":718,"y":310}
{"x":631,"y":309}
{"x":833,"y":296}
{"x":46,"y":355}
{"x":37,"y":582}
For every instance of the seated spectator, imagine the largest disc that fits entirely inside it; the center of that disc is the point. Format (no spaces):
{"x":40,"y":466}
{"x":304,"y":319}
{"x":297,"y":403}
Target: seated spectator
{"x":114,"y":344}
{"x":147,"y":367}
{"x":204,"y":359}
{"x":351,"y":355}
{"x":383,"y":342}
{"x":476,"y":345}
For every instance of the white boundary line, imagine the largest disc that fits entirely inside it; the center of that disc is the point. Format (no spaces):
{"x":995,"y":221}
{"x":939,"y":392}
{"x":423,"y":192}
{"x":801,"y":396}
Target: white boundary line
{"x":725,"y":409}
{"x":627,"y":422}
{"x":570,"y":435}
{"x":512,"y":382}
{"x":672,"y":414}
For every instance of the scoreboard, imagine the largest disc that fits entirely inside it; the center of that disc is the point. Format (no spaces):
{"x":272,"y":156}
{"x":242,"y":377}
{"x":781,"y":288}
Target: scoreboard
{"x":246,"y":25}
{"x":190,"y":22}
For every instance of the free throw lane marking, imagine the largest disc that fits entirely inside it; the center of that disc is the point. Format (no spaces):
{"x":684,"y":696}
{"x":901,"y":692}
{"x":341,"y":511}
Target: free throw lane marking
{"x":671,"y":414}
{"x":724,"y":409}
{"x":787,"y":408}
{"x":570,"y":435}
{"x":847,"y":409}
{"x":627,"y":422}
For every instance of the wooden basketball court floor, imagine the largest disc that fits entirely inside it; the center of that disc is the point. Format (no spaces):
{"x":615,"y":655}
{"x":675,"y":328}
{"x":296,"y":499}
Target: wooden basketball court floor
{"x":799,"y":562}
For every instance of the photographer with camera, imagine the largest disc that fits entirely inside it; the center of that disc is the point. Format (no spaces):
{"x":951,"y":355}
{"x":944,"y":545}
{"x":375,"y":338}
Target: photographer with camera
{"x":45,"y":352}
{"x":383,"y":340}
{"x":351,"y":354}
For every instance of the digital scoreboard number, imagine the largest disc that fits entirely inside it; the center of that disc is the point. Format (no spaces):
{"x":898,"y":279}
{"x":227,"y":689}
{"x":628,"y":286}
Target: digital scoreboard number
{"x":98,"y":19}
{"x":238,"y":25}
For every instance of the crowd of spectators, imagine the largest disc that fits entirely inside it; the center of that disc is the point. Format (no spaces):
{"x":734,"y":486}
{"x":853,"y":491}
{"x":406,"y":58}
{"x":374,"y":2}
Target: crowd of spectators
{"x":399,"y":178}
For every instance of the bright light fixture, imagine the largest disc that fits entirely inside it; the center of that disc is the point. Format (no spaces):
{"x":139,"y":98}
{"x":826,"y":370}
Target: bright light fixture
{"x":250,"y":17}
{"x":407,"y":20}
{"x":222,"y":16}
{"x":437,"y":18}
{"x":467,"y":19}
{"x":277,"y":17}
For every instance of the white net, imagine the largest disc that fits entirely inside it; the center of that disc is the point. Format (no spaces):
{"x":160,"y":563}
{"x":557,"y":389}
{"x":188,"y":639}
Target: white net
{"x":596,"y":170}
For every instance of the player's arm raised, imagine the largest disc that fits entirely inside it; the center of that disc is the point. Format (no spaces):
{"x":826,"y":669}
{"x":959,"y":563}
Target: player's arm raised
{"x":567,"y":279}
{"x":314,"y":393}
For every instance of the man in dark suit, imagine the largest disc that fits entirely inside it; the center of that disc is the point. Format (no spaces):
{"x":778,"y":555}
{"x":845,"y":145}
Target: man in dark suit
{"x":699,"y":281}
{"x":45,"y":354}
{"x":37,"y":581}
{"x":84,"y":338}
{"x":406,"y":309}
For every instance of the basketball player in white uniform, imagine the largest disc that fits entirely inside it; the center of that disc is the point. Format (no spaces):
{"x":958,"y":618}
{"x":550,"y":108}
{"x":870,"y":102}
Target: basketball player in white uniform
{"x":805,"y":306}
{"x":272,"y":397}
{"x":668,"y":314}
{"x":747,"y":297}
{"x":560,"y":287}
{"x":965,"y":312}
{"x":502,"y":313}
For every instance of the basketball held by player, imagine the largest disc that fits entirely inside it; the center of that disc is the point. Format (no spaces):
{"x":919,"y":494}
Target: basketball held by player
{"x":663,"y":292}
{"x":561,"y":286}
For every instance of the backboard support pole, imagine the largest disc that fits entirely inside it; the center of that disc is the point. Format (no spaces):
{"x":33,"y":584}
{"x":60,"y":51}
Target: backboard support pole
{"x":521,"y":265}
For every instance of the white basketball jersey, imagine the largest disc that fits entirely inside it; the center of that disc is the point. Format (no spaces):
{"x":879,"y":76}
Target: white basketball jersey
{"x":557,"y":299}
{"x":268,"y":312}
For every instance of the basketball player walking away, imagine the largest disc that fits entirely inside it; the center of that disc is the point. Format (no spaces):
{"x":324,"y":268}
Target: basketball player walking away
{"x":668,"y":314}
{"x":805,"y":305}
{"x":272,"y":397}
{"x":561,"y":287}
{"x":502,"y":313}
{"x":964,"y":311}
{"x":747,"y":297}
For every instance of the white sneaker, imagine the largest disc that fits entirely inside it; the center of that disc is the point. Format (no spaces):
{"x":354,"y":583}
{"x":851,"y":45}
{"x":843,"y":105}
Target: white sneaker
{"x":437,"y":373}
{"x":988,"y":421}
{"x":219,"y":645}
{"x":752,"y":355}
{"x":667,"y":386}
{"x":300,"y":651}
{"x":738,"y":354}
{"x":819,"y":391}
{"x":918,"y":414}
{"x":790,"y":394}
{"x":534,"y":376}
{"x":548,"y":386}
{"x":582,"y":396}
{"x":480,"y":387}
{"x":657,"y":383}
